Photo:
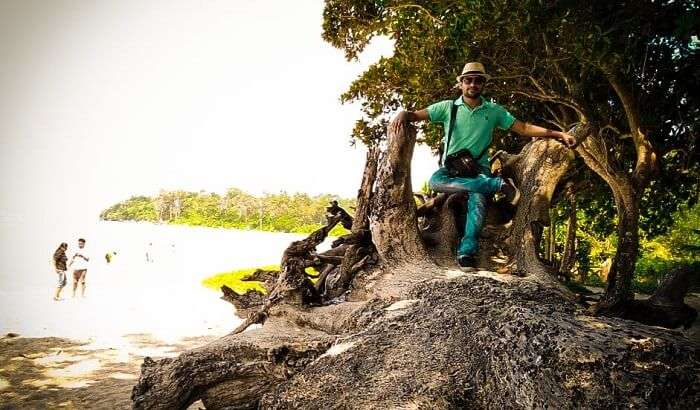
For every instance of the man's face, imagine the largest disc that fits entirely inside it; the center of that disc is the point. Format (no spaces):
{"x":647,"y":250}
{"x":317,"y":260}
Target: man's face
{"x":81,"y":244}
{"x":472,"y":85}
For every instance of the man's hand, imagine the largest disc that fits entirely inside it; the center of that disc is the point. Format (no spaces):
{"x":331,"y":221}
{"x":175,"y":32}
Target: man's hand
{"x":404,"y":117}
{"x":567,"y":139}
{"x":399,"y":122}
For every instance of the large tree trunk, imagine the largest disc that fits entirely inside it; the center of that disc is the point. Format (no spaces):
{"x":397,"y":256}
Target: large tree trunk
{"x":416,"y":334}
{"x":617,"y":292}
{"x":627,"y":190}
{"x":569,"y":255}
{"x":393,"y":219}
{"x":622,"y":270}
{"x":537,"y":170}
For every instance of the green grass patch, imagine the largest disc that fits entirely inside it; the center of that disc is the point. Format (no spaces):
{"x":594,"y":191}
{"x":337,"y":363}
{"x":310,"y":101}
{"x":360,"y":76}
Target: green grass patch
{"x":234,"y":279}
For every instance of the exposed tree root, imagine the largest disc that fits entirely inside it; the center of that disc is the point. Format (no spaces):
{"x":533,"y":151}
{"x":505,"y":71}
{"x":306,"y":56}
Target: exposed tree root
{"x":391,"y":322}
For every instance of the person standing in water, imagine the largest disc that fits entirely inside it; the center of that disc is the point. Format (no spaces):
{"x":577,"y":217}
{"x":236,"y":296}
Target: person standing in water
{"x":79,"y":263}
{"x":149,"y":253}
{"x":59,"y":263}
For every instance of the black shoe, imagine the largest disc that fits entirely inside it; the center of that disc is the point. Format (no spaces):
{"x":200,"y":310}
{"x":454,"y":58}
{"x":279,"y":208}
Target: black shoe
{"x":466,"y":261}
{"x":510,"y":191}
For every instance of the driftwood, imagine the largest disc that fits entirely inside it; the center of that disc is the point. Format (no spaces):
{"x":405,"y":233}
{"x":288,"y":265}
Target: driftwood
{"x":243,"y":302}
{"x":413,"y":331}
{"x":293,"y":285}
{"x":338,"y":266}
{"x":344,"y":217}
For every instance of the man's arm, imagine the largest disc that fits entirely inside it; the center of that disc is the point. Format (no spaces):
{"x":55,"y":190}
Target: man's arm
{"x":530,"y":130}
{"x":407,"y":117}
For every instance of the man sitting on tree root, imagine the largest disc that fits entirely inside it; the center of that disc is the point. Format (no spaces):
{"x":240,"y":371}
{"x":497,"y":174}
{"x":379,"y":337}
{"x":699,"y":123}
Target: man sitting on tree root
{"x":469,"y":122}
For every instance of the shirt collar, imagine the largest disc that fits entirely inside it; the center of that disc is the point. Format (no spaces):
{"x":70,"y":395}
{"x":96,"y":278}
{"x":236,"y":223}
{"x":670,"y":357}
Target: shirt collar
{"x":460,"y":101}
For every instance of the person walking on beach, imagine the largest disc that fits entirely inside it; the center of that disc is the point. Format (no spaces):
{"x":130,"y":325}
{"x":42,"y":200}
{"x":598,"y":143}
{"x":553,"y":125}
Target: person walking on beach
{"x":59,"y":263}
{"x":149,"y":253}
{"x":79,"y":263}
{"x":469,"y":122}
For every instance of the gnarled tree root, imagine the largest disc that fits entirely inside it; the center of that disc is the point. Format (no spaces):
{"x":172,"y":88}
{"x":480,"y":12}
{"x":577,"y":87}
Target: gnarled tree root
{"x":666,"y":307}
{"x":417,"y":335}
{"x":434,"y":338}
{"x":475,"y":342}
{"x":232,"y":372}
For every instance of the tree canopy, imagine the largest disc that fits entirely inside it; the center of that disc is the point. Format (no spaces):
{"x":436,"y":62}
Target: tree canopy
{"x":553,"y":62}
{"x":627,"y":71}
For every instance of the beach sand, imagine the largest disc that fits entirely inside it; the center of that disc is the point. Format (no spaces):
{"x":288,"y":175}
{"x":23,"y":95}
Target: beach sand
{"x":52,"y":372}
{"x":102,"y":339}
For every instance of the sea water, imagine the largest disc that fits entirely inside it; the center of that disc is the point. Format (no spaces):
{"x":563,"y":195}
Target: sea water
{"x":152,"y":285}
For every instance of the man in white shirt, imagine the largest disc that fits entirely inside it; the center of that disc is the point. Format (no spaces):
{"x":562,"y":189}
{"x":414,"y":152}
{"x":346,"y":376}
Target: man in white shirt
{"x":79,"y":263}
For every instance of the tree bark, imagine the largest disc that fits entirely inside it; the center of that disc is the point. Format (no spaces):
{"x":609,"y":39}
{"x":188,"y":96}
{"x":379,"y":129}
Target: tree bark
{"x":393,"y":217}
{"x":618,"y":289}
{"x":537,"y":170}
{"x":364,"y":195}
{"x":592,"y":150}
{"x":666,"y":307}
{"x":569,"y":255}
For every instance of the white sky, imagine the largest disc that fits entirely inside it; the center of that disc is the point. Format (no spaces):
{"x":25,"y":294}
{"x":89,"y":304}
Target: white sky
{"x":101,"y":100}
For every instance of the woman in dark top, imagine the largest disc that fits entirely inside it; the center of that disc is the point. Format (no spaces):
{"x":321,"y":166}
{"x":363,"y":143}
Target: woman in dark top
{"x":59,"y":262}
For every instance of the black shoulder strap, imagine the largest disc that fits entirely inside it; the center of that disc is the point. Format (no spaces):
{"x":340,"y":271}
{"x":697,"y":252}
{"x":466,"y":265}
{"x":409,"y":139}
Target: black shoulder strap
{"x":453,"y":116}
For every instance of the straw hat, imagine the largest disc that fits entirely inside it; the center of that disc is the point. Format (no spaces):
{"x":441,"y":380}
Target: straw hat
{"x":473,"y":68}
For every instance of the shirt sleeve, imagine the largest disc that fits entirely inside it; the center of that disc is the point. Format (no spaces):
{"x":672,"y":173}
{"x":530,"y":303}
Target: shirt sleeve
{"x":440,"y":111}
{"x":504,"y":119}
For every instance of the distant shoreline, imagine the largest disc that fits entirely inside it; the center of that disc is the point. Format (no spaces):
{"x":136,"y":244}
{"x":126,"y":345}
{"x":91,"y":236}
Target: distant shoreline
{"x":236,"y":209}
{"x":167,"y":224}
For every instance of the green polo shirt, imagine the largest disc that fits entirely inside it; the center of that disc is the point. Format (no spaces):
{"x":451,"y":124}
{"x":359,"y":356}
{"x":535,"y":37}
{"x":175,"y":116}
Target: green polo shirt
{"x":473,"y":127}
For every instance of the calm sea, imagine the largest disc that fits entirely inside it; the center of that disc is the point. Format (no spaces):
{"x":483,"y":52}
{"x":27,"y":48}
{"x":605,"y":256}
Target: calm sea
{"x":160,"y":294}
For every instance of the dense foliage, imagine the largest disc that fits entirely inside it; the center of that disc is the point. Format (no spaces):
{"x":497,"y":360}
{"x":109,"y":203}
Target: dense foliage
{"x":626,"y":69}
{"x":281,"y":212}
{"x":595,"y":247}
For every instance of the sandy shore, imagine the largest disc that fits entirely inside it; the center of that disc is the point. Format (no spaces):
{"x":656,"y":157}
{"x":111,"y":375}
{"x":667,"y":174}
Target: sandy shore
{"x":52,"y":372}
{"x":103,"y":340}
{"x":87,"y":352}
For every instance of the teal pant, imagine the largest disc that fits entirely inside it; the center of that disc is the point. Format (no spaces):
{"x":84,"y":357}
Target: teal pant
{"x":477,"y":188}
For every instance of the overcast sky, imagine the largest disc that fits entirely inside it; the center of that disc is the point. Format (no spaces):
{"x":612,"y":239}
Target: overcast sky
{"x":102,"y":100}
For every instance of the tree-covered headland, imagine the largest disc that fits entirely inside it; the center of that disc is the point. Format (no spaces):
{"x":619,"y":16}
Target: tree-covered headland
{"x":282,"y":212}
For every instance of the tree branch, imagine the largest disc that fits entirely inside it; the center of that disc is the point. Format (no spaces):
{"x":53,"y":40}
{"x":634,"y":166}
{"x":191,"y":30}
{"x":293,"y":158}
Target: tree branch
{"x":646,"y":164}
{"x":425,"y":11}
{"x":554,"y":99}
{"x":557,"y":67}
